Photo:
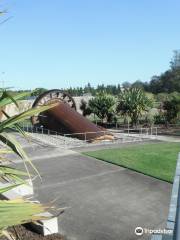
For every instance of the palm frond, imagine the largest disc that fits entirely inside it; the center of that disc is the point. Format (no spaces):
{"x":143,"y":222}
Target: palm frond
{"x":22,"y":116}
{"x":6,"y":189}
{"x":5,"y":151}
{"x":16,"y":125}
{"x":17,"y":148}
{"x":19,"y":211}
{"x":6,"y":98}
{"x":12,"y":175}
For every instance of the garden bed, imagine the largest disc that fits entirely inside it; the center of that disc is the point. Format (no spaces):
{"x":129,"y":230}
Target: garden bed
{"x":171,"y":131}
{"x":26,"y":234}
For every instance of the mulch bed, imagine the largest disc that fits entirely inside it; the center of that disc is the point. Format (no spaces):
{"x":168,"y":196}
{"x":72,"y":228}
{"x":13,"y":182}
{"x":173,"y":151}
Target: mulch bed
{"x":171,"y":131}
{"x":25,"y":234}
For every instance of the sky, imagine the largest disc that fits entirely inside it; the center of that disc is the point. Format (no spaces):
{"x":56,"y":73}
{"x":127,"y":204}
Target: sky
{"x":68,"y":43}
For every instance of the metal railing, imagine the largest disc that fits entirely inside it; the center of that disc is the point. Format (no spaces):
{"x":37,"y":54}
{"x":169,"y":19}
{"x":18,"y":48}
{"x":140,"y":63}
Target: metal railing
{"x":70,"y":139}
{"x":150,"y":131}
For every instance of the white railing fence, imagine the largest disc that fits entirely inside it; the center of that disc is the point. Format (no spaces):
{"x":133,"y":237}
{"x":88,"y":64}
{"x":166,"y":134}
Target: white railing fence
{"x":73,"y":140}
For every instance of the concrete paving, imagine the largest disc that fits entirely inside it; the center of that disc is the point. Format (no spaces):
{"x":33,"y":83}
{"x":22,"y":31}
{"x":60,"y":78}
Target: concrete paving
{"x":105,"y":202}
{"x":166,"y":138}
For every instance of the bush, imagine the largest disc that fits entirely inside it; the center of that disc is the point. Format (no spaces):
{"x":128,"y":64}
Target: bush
{"x":159,"y":119}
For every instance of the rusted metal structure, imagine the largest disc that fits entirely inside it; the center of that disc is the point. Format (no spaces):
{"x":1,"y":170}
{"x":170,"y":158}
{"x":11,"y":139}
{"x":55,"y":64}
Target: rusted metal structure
{"x":65,"y":119}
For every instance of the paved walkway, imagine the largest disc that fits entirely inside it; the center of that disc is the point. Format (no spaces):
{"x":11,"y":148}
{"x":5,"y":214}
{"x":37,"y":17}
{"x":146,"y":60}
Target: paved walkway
{"x":105,"y":202}
{"x":168,"y":138}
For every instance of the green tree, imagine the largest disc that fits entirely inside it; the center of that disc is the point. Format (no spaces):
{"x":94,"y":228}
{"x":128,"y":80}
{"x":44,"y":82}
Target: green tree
{"x":138,"y":84}
{"x":169,"y":81}
{"x":175,"y":62}
{"x":161,"y":97}
{"x":38,"y":91}
{"x":103,"y":105}
{"x":132,"y":103}
{"x":171,"y":107}
{"x":85,"y":108}
{"x":126,"y":85}
{"x":88,"y":88}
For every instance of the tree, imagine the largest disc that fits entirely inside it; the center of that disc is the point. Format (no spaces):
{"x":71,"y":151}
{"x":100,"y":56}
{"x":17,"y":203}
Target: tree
{"x":126,"y":85}
{"x":161,"y":97}
{"x":132,"y":103}
{"x":175,"y":62}
{"x":85,"y":108}
{"x":171,"y":107}
{"x":138,"y":84}
{"x":169,"y":81}
{"x":38,"y":91}
{"x":103,"y":105}
{"x":88,"y":88}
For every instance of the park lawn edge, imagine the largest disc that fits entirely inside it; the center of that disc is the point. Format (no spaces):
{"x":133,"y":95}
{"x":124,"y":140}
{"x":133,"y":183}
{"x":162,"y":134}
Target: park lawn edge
{"x":127,"y":167}
{"x":121,"y":165}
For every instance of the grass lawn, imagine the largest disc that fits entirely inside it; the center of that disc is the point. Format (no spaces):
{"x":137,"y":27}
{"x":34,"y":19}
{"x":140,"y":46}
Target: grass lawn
{"x":156,"y":160}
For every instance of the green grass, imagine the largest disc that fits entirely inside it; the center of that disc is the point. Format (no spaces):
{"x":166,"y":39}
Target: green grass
{"x":157,"y":160}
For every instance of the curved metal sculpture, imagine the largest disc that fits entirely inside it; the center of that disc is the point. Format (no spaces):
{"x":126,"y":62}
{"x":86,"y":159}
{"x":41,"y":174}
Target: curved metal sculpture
{"x":65,"y":119}
{"x":51,"y":96}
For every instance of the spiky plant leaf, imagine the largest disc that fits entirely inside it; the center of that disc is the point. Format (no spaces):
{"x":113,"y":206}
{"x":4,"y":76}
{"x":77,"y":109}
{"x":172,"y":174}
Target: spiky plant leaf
{"x":21,"y":117}
{"x":17,"y":148}
{"x":12,"y":175}
{"x":5,"y":151}
{"x":6,"y":98}
{"x":9,"y":170}
{"x":133,"y":102}
{"x":19,"y":211}
{"x":16,"y":126}
{"x":5,"y":189}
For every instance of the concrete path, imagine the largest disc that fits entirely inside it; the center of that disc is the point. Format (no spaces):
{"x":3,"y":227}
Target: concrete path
{"x":168,"y":138}
{"x":106,"y":202}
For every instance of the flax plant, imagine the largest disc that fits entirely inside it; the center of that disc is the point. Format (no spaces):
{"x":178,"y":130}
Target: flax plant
{"x":17,"y":211}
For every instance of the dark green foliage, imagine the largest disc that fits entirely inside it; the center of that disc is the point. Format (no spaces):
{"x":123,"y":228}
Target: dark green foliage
{"x":167,"y":82}
{"x":103,"y":106}
{"x":159,"y":119}
{"x":85,"y":108}
{"x":38,"y":91}
{"x":137,"y":84}
{"x":88,"y":89}
{"x":126,"y":85}
{"x":172,"y":108}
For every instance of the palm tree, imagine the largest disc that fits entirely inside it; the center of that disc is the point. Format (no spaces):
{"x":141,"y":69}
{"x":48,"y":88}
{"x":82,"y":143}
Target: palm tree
{"x":18,"y":211}
{"x":132,"y":103}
